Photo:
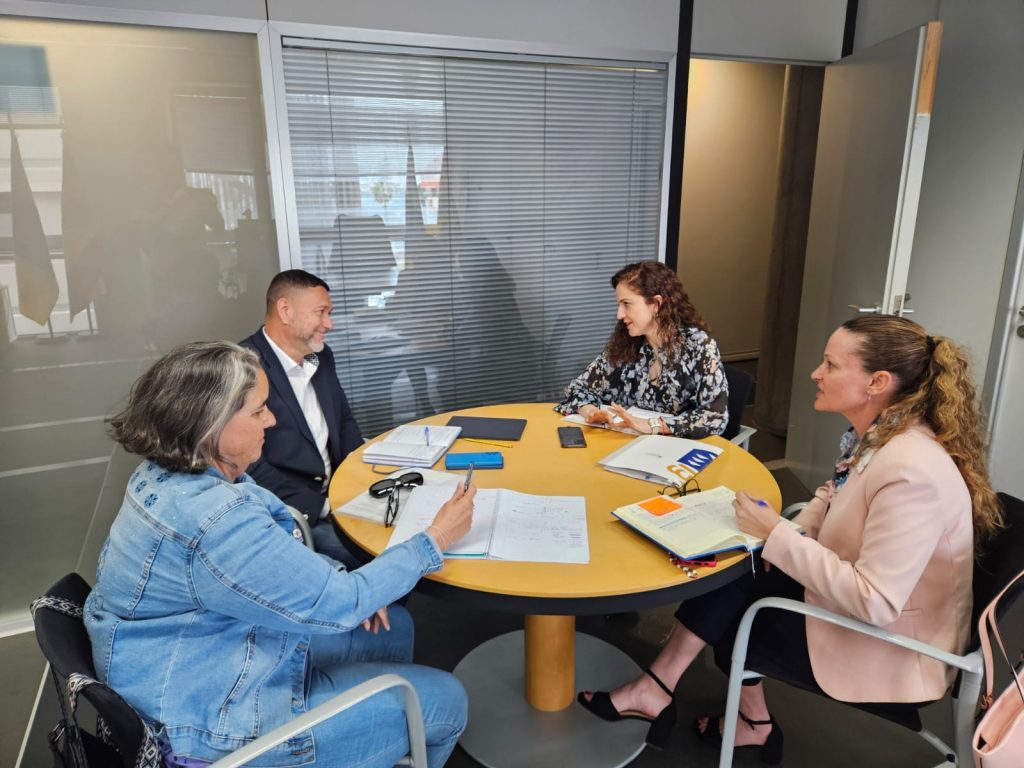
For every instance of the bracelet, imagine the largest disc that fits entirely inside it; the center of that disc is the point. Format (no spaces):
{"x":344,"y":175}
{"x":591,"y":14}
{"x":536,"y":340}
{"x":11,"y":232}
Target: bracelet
{"x":445,"y":541}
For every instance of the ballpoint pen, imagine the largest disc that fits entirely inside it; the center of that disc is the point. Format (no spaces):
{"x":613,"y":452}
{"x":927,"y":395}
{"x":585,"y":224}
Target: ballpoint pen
{"x":489,"y":442}
{"x":426,"y":435}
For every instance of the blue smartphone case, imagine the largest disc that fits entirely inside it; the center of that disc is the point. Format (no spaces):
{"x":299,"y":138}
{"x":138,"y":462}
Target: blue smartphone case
{"x":480,"y":460}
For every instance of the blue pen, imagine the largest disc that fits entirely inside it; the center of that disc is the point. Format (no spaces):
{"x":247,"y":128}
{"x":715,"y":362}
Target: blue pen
{"x":426,"y":435}
{"x":762,"y":503}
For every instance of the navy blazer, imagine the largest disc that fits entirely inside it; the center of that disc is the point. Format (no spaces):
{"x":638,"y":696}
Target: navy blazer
{"x":291,"y":465}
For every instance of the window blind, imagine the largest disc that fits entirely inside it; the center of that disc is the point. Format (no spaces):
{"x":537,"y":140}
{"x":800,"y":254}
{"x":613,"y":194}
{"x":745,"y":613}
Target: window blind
{"x":468,"y":214}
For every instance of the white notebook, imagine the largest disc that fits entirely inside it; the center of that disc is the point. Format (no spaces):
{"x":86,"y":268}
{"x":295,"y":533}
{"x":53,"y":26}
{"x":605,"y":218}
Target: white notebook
{"x":661,"y":459}
{"x":412,"y":446}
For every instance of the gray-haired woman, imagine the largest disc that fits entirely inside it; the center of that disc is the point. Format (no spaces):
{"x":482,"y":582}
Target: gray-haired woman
{"x":215,"y":623}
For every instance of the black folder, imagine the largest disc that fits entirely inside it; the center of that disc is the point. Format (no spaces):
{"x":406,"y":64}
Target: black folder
{"x":481,"y":428}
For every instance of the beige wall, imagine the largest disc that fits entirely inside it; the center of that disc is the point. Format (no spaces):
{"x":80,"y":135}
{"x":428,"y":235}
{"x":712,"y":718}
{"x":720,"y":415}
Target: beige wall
{"x":729,"y":176}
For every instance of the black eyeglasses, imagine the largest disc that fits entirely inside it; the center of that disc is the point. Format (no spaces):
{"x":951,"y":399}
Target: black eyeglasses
{"x":390,"y":488}
{"x":690,"y":486}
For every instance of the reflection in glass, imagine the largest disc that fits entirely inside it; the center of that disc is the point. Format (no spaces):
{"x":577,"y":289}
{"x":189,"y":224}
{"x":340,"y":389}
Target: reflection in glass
{"x":134,"y":215}
{"x":466,"y":214}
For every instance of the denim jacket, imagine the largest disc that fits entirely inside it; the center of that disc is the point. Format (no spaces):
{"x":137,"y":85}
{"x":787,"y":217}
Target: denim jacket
{"x":205,"y":605}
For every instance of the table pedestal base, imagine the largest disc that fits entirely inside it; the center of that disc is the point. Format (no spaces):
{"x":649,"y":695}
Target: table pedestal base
{"x":506,"y":732}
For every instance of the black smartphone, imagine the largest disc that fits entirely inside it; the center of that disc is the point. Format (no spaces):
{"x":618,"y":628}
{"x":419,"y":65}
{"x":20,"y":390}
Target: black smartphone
{"x":571,"y":437}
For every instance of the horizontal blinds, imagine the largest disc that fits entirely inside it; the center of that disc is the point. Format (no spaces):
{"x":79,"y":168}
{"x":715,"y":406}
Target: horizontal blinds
{"x":467,"y":214}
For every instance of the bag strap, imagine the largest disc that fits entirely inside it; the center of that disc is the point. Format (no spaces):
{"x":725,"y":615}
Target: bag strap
{"x":987,"y":629}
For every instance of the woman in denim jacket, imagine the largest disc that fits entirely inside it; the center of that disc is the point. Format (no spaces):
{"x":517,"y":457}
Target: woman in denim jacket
{"x":215,"y":623}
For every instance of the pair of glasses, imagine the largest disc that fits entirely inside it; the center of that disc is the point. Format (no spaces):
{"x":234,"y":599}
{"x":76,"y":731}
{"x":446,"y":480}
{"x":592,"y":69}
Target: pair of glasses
{"x":390,"y":488}
{"x":690,"y":486}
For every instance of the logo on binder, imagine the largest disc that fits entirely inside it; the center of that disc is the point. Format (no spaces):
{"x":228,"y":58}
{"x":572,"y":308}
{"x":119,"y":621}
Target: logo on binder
{"x":690,"y":463}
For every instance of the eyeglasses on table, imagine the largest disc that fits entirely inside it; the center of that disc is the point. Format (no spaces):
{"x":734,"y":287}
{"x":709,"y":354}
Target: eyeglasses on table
{"x":390,"y":488}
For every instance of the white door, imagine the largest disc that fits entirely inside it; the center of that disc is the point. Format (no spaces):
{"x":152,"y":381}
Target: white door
{"x":875,"y":115}
{"x":1007,"y":423}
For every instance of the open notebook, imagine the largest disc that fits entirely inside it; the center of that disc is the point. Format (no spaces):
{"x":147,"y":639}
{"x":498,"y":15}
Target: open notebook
{"x":691,"y":526}
{"x":507,"y":525}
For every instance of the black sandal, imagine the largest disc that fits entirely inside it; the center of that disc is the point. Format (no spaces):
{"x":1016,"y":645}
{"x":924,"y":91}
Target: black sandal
{"x":600,"y":704}
{"x":771,"y":750}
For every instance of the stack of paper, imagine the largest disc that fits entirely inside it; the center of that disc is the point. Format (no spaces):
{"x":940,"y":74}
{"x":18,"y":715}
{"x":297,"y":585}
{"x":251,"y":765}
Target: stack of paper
{"x":661,"y":459}
{"x":412,"y":446}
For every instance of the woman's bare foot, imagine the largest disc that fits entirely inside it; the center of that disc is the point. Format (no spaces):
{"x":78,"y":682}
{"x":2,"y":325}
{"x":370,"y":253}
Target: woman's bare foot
{"x":641,"y":696}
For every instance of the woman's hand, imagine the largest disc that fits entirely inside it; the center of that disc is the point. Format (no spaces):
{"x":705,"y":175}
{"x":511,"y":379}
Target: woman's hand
{"x":453,"y":520}
{"x":634,"y":422}
{"x":595,"y":415}
{"x":378,"y":620}
{"x":754,"y":516}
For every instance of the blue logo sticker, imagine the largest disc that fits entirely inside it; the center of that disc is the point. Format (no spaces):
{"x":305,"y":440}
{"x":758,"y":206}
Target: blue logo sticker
{"x":697,"y":459}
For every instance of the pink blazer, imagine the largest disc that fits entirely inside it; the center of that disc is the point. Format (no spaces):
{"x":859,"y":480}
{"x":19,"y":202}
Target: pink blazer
{"x":894,"y":548}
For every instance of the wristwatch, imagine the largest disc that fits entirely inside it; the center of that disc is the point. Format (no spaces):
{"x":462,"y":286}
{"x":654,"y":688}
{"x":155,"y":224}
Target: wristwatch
{"x":655,"y":425}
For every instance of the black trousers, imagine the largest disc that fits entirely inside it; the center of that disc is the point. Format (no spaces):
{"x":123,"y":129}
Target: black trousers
{"x":778,"y":639}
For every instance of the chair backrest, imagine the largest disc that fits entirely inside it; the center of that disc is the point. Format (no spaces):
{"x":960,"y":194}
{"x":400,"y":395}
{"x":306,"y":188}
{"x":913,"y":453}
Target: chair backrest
{"x":740,"y":384}
{"x":1001,"y":560}
{"x":65,"y":644}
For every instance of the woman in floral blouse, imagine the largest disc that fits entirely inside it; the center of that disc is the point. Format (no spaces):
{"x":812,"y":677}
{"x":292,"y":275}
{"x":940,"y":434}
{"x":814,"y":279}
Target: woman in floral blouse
{"x":660,"y":357}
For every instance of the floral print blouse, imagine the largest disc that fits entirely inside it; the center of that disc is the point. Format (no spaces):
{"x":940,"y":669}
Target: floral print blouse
{"x":692,"y":387}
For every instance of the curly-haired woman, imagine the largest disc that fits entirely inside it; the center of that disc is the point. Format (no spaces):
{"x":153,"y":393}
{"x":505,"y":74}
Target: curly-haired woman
{"x":889,"y":541}
{"x":660,"y":357}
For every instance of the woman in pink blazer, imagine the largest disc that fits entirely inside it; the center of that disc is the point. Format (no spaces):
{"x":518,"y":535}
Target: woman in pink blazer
{"x":888,"y":540}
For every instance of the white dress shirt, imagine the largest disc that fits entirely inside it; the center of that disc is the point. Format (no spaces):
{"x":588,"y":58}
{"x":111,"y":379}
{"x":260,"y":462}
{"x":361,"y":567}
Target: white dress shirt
{"x":300,"y":377}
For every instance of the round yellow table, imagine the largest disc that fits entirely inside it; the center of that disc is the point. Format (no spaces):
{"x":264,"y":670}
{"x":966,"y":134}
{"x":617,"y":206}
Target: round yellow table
{"x":625,"y":572}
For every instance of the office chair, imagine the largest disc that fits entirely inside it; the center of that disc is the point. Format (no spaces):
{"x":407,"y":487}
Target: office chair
{"x":362,"y":258}
{"x":305,"y":534}
{"x":740,"y":383}
{"x":122,"y":738}
{"x":1000,"y":564}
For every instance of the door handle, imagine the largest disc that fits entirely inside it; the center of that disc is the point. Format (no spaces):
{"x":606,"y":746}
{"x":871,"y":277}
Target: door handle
{"x":900,"y":305}
{"x":873,"y":310}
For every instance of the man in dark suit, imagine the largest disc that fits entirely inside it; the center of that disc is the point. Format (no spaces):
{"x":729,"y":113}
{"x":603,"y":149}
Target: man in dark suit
{"x":315,"y":427}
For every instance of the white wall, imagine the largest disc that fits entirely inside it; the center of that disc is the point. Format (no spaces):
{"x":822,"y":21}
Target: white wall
{"x":531,"y":26}
{"x":780,"y":30}
{"x":973,"y":164}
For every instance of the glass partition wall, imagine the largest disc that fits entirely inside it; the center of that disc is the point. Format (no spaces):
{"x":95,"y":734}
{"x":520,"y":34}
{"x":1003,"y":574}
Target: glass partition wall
{"x":135,"y":214}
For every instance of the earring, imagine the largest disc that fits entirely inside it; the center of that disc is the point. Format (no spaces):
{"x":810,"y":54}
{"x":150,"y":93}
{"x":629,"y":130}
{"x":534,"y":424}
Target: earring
{"x":870,"y":395}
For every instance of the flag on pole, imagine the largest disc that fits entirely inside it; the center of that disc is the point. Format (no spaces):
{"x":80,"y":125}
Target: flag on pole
{"x":82,"y":231}
{"x":37,"y":283}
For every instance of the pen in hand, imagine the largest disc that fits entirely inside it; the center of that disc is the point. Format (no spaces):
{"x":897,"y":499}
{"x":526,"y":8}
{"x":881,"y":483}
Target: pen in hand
{"x":469,"y":477}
